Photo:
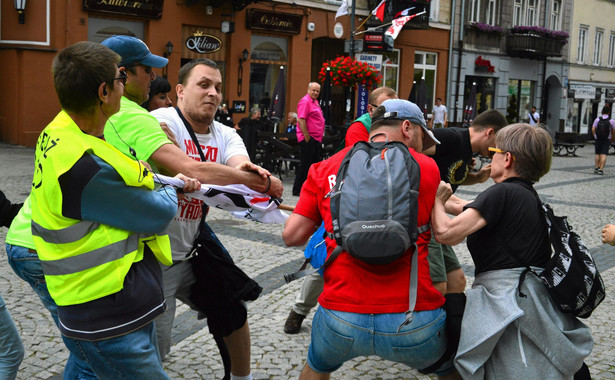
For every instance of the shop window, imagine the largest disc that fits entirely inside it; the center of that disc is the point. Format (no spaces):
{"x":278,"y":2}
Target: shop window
{"x":425,"y":65}
{"x":485,"y":92}
{"x":390,"y":69}
{"x":520,"y":100}
{"x":267,"y":54}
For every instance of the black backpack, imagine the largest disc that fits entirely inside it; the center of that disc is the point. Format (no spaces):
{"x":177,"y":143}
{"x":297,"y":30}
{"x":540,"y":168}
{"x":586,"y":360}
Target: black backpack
{"x":603,"y":128}
{"x":571,"y":276}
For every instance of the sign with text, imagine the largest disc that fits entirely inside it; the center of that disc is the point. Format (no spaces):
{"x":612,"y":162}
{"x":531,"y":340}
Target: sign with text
{"x":273,"y":21}
{"x":203,"y":43}
{"x":582,"y":91}
{"x":239,"y":106}
{"x":374,"y":41}
{"x":374,"y":60}
{"x":139,"y":8}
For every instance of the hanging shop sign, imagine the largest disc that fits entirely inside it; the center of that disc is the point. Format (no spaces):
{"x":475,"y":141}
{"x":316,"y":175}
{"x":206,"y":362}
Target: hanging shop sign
{"x":583,"y":91}
{"x":610,"y":93}
{"x":139,"y":8}
{"x":273,"y":21}
{"x":484,"y":65}
{"x":203,"y":43}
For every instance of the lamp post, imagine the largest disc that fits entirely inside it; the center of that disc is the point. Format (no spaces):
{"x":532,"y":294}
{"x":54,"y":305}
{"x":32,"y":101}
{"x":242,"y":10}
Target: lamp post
{"x":169,"y":49}
{"x":20,"y":7}
{"x":244,"y":57}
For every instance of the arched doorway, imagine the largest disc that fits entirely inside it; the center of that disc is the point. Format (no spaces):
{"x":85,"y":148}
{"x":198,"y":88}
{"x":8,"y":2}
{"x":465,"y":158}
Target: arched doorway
{"x":552,"y":113}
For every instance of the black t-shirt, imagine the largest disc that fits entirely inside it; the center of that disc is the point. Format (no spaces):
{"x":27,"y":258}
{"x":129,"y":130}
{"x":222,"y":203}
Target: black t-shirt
{"x":454,"y":155}
{"x":513,"y":219}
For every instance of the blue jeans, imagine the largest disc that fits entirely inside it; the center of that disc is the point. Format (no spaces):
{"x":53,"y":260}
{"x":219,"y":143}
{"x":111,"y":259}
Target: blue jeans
{"x":11,"y":348}
{"x":340,"y":336}
{"x":27,"y":266}
{"x":131,"y":356}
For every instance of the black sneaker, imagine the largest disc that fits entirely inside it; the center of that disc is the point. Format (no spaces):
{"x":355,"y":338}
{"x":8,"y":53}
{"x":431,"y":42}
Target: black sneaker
{"x":596,"y":171}
{"x":293,"y":323}
{"x":600,"y":171}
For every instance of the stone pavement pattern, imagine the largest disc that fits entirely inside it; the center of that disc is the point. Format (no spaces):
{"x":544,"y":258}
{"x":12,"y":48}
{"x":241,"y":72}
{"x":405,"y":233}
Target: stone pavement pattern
{"x":571,"y":188}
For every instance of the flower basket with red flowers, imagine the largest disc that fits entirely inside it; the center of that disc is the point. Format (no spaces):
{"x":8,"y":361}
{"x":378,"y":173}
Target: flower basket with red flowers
{"x":348,"y":72}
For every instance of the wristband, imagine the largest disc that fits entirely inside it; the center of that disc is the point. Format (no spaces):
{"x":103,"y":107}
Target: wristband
{"x":268,"y":186}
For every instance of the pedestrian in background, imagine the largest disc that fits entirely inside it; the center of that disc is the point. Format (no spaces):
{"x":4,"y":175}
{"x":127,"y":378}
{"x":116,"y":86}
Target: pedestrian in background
{"x":534,"y":117}
{"x":291,"y":128}
{"x":438,"y":115}
{"x":158,"y":95}
{"x":309,"y":134}
{"x":603,"y":130}
{"x":360,"y":128}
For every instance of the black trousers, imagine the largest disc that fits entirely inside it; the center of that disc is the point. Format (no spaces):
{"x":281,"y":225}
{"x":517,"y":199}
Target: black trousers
{"x":310,"y":153}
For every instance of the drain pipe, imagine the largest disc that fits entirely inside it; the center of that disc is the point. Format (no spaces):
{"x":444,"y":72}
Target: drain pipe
{"x":544,"y":108}
{"x":461,"y":25}
{"x":450,"y":53}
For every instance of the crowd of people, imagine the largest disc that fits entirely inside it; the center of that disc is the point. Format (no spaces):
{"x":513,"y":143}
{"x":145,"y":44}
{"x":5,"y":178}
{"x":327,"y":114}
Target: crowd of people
{"x":109,"y":253}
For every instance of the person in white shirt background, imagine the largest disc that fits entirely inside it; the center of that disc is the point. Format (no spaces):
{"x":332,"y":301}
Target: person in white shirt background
{"x":438,"y":118}
{"x":534,"y":116}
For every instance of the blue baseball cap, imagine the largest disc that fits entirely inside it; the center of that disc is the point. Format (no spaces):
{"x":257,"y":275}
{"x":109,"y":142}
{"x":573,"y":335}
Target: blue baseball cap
{"x":404,"y":110}
{"x":133,"y":50}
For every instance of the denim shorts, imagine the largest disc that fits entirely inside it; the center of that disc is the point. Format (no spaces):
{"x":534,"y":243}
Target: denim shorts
{"x":340,"y":336}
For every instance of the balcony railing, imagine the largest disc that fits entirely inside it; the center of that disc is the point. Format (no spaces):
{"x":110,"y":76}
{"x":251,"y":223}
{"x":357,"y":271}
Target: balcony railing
{"x":533,"y":45}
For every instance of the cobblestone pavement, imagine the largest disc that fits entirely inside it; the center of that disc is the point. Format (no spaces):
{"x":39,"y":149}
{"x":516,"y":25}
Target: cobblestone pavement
{"x":571,"y":188}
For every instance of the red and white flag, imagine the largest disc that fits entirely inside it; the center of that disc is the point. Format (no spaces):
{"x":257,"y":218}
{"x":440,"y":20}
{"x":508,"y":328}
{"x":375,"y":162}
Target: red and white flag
{"x":405,"y":12}
{"x":397,"y":24}
{"x":379,"y":11}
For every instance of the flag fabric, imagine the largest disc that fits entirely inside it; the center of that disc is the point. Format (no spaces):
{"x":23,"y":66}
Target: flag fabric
{"x":279,"y":97}
{"x":343,"y":9}
{"x":379,"y":11}
{"x":405,"y":12}
{"x":397,"y":24}
{"x":239,"y":200}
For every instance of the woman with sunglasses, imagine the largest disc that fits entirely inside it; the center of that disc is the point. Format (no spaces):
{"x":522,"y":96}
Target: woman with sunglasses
{"x":503,"y":334}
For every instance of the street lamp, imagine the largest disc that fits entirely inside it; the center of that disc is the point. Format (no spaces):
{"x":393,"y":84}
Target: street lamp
{"x":20,"y":7}
{"x":167,"y":54}
{"x":244,"y":57}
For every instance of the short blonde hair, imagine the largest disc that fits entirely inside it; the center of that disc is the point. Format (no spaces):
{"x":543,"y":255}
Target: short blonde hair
{"x":531,"y":147}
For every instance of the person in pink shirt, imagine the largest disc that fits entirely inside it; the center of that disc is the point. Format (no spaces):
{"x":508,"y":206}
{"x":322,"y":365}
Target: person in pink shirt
{"x":311,"y":123}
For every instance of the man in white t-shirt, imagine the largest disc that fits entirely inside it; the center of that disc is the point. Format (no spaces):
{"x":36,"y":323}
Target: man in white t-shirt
{"x":198,"y":97}
{"x":534,"y":116}
{"x":438,"y":115}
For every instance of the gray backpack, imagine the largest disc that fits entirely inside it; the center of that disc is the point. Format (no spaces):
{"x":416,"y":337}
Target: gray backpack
{"x":374,"y":209}
{"x":374,"y":204}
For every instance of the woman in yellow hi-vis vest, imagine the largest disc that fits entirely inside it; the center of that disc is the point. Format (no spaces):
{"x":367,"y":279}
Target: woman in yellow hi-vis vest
{"x":95,"y":220}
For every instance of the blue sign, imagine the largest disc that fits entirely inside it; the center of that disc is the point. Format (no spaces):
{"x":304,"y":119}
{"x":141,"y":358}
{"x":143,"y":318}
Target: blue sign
{"x":362,"y":100}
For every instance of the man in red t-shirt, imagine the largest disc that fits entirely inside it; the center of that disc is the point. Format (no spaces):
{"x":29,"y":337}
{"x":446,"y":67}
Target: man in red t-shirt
{"x":359,"y":129}
{"x":362,"y":305}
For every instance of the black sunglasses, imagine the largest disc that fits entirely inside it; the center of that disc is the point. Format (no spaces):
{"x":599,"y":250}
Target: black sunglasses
{"x":122,"y":77}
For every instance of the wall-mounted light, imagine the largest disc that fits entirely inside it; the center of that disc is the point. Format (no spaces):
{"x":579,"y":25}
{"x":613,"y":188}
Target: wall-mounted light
{"x":168,"y":50}
{"x":20,"y":7}
{"x":244,"y":57}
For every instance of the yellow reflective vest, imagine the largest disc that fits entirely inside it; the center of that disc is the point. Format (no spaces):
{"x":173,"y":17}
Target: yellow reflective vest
{"x":83,"y":260}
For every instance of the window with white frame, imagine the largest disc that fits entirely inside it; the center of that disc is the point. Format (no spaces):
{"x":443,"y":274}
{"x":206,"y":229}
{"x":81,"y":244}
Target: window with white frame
{"x":582,"y":44}
{"x":530,"y":12}
{"x":491,"y":13}
{"x":434,"y":7}
{"x":611,"y":61}
{"x":598,"y":46}
{"x":474,"y":10}
{"x":518,"y":13}
{"x":390,"y":69}
{"x":556,"y":11}
{"x":425,"y":65}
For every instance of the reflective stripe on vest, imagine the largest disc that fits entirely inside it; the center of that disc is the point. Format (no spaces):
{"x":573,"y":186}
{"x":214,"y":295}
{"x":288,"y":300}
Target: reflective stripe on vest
{"x":66,"y":235}
{"x":88,"y":260}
